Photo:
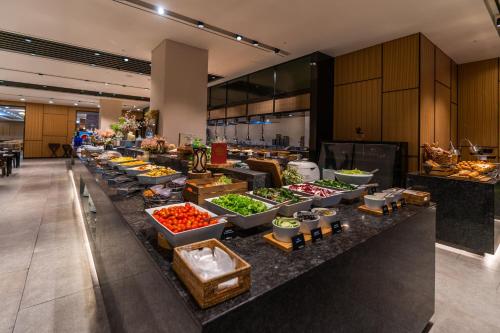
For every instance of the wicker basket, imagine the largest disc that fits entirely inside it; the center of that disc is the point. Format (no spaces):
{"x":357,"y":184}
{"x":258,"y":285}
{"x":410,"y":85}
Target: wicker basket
{"x":207,"y":293}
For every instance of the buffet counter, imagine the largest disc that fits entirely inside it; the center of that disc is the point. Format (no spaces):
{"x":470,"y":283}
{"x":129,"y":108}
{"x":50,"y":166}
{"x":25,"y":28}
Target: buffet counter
{"x":466,"y":211}
{"x":377,"y":275}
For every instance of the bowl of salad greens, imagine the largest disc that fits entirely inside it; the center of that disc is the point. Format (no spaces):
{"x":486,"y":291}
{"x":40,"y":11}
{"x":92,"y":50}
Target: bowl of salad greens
{"x":284,"y":228}
{"x":354,"y":176}
{"x":250,"y":212}
{"x":276,"y":196}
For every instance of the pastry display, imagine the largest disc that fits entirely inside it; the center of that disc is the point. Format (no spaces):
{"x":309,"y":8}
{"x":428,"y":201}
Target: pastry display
{"x":474,"y":170}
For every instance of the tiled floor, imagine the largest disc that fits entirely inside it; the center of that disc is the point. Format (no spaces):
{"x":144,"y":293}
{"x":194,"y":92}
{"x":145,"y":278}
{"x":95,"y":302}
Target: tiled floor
{"x":45,"y":278}
{"x":46,"y":283}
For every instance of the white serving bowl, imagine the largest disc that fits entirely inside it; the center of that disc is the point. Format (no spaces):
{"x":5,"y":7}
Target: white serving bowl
{"x":374,"y":201}
{"x":354,"y":179}
{"x":284,"y":234}
{"x":308,"y":225}
{"x":325,"y":220}
{"x":397,"y":196}
{"x":388,"y":197}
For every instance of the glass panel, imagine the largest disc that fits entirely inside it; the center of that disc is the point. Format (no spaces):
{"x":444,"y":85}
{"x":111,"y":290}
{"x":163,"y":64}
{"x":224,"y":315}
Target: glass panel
{"x":261,"y":84}
{"x":218,"y":95}
{"x":293,"y":76}
{"x":237,"y":90}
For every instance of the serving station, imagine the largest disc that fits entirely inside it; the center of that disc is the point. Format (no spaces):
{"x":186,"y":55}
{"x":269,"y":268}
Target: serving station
{"x":294,"y":258}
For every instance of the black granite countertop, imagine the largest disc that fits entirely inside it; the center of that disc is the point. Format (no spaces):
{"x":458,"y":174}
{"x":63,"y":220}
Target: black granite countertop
{"x":271,"y":267}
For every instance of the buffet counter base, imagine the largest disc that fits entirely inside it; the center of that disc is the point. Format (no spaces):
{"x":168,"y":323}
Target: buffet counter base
{"x":378,"y":275}
{"x":466,"y":211}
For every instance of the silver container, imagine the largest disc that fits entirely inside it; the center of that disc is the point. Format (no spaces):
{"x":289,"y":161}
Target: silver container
{"x":188,"y":236}
{"x":245,"y":222}
{"x":124,"y":167}
{"x":147,"y":180}
{"x":287,"y":210}
{"x":134,"y":172}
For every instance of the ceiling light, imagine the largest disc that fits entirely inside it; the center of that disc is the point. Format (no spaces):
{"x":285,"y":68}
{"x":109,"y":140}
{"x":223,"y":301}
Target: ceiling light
{"x":76,"y":104}
{"x":51,"y":102}
{"x":200,"y":25}
{"x":98,"y":105}
{"x":255,"y":43}
{"x":27,"y":40}
{"x":106,"y":84}
{"x":238,"y":37}
{"x":125,"y":59}
{"x":97,"y":54}
{"x":33,"y":54}
{"x":160,"y":10}
{"x":22,"y":99}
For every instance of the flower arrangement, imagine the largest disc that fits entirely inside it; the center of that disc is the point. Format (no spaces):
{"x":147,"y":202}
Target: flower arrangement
{"x":125,"y":124}
{"x":150,"y":144}
{"x":105,"y":133}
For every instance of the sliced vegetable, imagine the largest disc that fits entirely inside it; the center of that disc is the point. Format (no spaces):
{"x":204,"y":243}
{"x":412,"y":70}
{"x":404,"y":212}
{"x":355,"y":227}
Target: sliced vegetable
{"x":277,"y":194}
{"x":286,"y":222}
{"x":336,"y":184}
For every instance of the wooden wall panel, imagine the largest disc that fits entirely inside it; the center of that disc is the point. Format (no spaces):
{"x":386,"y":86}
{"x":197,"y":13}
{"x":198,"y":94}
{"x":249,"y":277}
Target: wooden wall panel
{"x":401,"y":63}
{"x":478,"y":102}
{"x":358,"y":105}
{"x":454,"y":124}
{"x":32,"y":149}
{"x":237,"y":111}
{"x":218,"y":113}
{"x":299,"y":102}
{"x":443,"y":115}
{"x":55,"y":124}
{"x":400,"y":118}
{"x":33,"y":122}
{"x":361,"y":65}
{"x":55,"y":109}
{"x":443,"y":68}
{"x":427,"y":82}
{"x":260,"y":108}
{"x":454,"y":90}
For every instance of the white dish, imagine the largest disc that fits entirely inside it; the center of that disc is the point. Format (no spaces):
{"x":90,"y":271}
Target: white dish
{"x":284,"y":234}
{"x":245,"y":222}
{"x":374,"y":201}
{"x":325,"y":220}
{"x":308,"y":225}
{"x":354,"y":179}
{"x":188,"y":236}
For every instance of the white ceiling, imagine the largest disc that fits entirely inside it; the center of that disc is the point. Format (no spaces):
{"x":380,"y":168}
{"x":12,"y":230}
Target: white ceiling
{"x":461,"y":28}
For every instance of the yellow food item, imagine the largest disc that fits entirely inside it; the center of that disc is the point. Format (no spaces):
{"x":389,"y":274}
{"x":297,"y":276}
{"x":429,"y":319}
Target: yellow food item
{"x":160,"y":172}
{"x":149,"y":167}
{"x":122,"y":159}
{"x":133,"y":163}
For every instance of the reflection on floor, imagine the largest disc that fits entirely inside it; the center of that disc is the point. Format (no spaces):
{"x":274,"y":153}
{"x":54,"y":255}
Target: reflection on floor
{"x":46,"y":283}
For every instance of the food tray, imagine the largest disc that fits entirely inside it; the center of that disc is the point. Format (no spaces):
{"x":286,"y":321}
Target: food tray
{"x":245,"y":222}
{"x":157,"y":180}
{"x":207,"y":293}
{"x":188,"y":236}
{"x":124,"y":167}
{"x":348,"y":195}
{"x":319,"y":201}
{"x":134,"y":171}
{"x":287,"y":210}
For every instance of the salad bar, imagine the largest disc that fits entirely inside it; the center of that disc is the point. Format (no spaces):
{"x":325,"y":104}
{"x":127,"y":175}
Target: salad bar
{"x":211,"y":280}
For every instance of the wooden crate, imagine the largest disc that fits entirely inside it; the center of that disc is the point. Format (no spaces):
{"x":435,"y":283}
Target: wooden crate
{"x":417,"y":197}
{"x":207,"y":293}
{"x":196,"y":192}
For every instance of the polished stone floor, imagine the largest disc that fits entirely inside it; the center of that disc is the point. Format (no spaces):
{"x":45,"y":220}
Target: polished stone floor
{"x":47,"y":283}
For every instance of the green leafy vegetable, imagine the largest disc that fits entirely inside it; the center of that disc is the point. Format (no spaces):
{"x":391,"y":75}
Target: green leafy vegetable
{"x":336,"y":184}
{"x":286,"y":222}
{"x":277,"y":194}
{"x":353,"y":172}
{"x":240,"y":204}
{"x":292,"y":176}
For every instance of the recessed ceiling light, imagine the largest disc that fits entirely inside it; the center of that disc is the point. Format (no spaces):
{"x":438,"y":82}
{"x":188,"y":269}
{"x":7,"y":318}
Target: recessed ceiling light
{"x":22,"y":99}
{"x":98,"y":105}
{"x":160,"y":10}
{"x":51,"y":102}
{"x":33,"y":54}
{"x":125,"y":59}
{"x":200,"y":25}
{"x":255,"y":43}
{"x":27,"y":40}
{"x":238,"y":37}
{"x":97,"y":54}
{"x":106,"y":84}
{"x":76,"y":104}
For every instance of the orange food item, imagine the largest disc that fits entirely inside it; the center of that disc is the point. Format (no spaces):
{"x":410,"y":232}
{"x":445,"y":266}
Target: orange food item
{"x":182,"y":218}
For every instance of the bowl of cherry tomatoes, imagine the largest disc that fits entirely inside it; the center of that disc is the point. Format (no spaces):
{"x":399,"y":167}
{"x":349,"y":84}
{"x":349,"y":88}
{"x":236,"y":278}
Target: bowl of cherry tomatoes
{"x":185,"y":223}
